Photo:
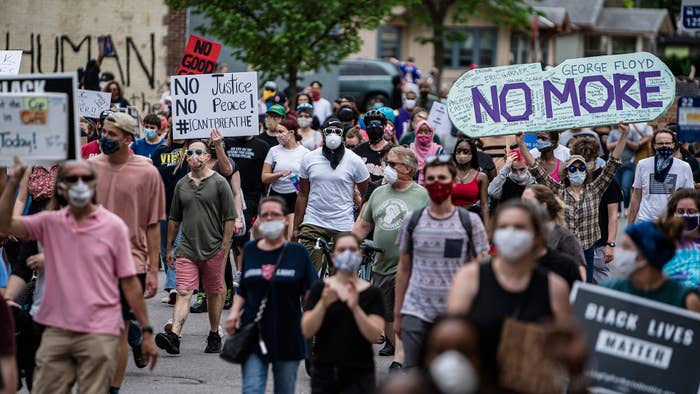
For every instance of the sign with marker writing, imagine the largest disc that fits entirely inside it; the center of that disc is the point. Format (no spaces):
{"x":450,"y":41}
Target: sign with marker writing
{"x":10,"y":62}
{"x":34,"y":127}
{"x":637,"y":345}
{"x":689,"y":119}
{"x":439,"y":119}
{"x":690,"y":14}
{"x":200,"y":56}
{"x":202,"y":103}
{"x":50,"y":83}
{"x":585,"y":92}
{"x":91,"y":103}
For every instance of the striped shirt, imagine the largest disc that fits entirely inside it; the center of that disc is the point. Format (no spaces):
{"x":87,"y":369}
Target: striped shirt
{"x":581,"y":216}
{"x":439,"y":250}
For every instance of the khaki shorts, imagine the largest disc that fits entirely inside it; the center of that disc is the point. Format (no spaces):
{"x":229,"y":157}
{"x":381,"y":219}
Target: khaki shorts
{"x":387,"y":285}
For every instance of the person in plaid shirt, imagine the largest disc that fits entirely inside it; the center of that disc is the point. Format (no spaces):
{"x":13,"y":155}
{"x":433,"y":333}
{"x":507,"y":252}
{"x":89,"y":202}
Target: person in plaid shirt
{"x":580,"y":192}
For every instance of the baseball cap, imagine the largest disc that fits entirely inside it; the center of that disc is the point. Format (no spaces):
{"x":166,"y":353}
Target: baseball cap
{"x":345,"y":114}
{"x":278,"y":110}
{"x":124,"y":122}
{"x":270,"y":85}
{"x":305,"y":107}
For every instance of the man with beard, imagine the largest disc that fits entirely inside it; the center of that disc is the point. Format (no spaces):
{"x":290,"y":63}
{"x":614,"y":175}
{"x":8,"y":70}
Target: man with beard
{"x":370,"y":151}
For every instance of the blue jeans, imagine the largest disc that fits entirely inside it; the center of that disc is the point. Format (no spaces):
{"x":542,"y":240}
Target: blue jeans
{"x":624,"y":176}
{"x":169,"y":273}
{"x":255,"y":375}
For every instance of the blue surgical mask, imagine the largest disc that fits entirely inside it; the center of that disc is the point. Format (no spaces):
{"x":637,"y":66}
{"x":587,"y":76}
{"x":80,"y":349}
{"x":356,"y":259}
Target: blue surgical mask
{"x":150,"y":133}
{"x":348,"y":261}
{"x":577,"y":178}
{"x":108,"y":146}
{"x":542,"y":144}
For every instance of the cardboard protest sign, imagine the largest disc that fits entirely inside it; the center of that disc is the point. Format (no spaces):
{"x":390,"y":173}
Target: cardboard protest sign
{"x":689,"y":119}
{"x":91,"y":103}
{"x":204,"y":102}
{"x":200,"y":56}
{"x":586,"y":92}
{"x":637,"y":345}
{"x":439,"y":118}
{"x":34,"y":127}
{"x":10,"y":62}
{"x":50,"y":83}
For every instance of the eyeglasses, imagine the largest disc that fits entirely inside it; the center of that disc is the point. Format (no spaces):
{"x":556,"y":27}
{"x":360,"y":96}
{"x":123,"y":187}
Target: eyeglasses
{"x":393,"y":164}
{"x":580,"y":167}
{"x":681,"y":211}
{"x":74,"y":178}
{"x":193,"y":152}
{"x":333,"y":130}
{"x":444,"y":159}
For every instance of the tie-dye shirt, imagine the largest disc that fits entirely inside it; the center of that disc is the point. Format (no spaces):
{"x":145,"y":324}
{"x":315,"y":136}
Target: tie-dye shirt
{"x":685,"y":265}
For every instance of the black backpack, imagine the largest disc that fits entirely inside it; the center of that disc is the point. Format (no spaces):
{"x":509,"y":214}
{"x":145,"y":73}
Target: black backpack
{"x":463,"y":217}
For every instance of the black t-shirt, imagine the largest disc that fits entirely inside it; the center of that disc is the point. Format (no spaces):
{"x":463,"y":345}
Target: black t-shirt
{"x":249,"y":156}
{"x":166,"y":159}
{"x":562,"y":265}
{"x":485,"y":161}
{"x":372,"y":159}
{"x":613,"y":194}
{"x":339,"y":341}
{"x":7,"y":333}
{"x":271,"y":141}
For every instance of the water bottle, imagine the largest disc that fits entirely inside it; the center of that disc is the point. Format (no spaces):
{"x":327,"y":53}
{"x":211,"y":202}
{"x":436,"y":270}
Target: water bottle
{"x":294,"y":178}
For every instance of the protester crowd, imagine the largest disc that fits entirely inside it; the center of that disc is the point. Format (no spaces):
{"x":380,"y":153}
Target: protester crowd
{"x":473,"y":241}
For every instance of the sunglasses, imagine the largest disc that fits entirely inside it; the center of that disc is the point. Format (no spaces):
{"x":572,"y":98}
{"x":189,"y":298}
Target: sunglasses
{"x":374,"y":124}
{"x":580,"y":167}
{"x":75,"y":178}
{"x":193,"y":152}
{"x":444,"y":159}
{"x":333,"y":130}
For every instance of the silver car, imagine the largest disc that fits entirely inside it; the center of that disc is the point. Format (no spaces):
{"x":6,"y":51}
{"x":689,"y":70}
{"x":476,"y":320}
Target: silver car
{"x":367,"y":80}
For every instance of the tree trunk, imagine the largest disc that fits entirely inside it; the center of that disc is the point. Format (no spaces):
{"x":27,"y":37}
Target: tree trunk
{"x":438,"y":51}
{"x":292,"y":78}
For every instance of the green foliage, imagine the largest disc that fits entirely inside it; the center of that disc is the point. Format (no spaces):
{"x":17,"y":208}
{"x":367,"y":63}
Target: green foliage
{"x":681,"y":65}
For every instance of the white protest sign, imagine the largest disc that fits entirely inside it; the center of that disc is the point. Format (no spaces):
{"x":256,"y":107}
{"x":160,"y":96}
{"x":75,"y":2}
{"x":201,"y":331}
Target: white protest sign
{"x":586,"y":92}
{"x":91,"y":103}
{"x":439,"y":118}
{"x":204,"y":102}
{"x":10,"y":62}
{"x":34,"y":126}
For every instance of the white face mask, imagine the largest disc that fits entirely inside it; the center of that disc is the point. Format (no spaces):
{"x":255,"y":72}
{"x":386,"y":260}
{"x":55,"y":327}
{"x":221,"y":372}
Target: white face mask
{"x":304,"y":122}
{"x":577,"y":178}
{"x":518,"y":178}
{"x":348,"y":261}
{"x":513,"y":243}
{"x":333,"y":141}
{"x":390,"y":175}
{"x":271,"y":230}
{"x":453,"y":373}
{"x":409,"y":104}
{"x":624,"y":262}
{"x":80,"y":194}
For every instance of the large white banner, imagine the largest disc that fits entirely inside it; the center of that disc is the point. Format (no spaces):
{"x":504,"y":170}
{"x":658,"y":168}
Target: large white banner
{"x":204,"y":102}
{"x":585,"y":92}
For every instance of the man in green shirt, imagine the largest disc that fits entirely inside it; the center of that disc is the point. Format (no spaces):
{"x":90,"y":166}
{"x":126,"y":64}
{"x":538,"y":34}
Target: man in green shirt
{"x":384,"y":212}
{"x":203,"y":205}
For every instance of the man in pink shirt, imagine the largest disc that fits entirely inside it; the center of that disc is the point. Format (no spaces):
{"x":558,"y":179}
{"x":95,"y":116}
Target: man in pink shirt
{"x":87,"y":258}
{"x":131,"y":187}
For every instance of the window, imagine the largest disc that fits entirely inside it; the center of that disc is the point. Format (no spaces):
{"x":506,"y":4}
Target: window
{"x":389,"y":42}
{"x":478,"y":47}
{"x":351,"y":68}
{"x":622,"y":44}
{"x":595,"y":45}
{"x":519,"y":48}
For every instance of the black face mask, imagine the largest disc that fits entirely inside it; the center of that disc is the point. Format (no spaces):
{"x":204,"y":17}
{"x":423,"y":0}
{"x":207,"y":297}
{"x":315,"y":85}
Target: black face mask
{"x":375,"y":134}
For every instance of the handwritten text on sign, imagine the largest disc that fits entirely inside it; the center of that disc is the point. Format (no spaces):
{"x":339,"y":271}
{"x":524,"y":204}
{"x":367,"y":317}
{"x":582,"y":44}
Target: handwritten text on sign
{"x":10,"y":62}
{"x":92,"y":103}
{"x":33,"y":127}
{"x":205,"y":102}
{"x":584,"y":92}
{"x":200,"y":56}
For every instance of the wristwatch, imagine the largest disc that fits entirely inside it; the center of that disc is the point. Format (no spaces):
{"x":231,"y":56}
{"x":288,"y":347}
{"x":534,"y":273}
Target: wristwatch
{"x":147,"y":329}
{"x":611,"y":244}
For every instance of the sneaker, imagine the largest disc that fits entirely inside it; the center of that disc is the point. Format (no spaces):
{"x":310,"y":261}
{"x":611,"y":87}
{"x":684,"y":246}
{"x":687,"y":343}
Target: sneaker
{"x":172,"y":297}
{"x":213,"y":343}
{"x":200,"y":303}
{"x":387,"y":350}
{"x":237,"y":279}
{"x":168,"y":327}
{"x":395,"y":367}
{"x":220,"y":331}
{"x":228,"y":302}
{"x":169,"y":342}
{"x":138,"y":357}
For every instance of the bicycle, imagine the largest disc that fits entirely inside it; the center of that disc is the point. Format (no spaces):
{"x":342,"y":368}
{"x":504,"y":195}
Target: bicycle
{"x":326,"y":247}
{"x":369,"y":252}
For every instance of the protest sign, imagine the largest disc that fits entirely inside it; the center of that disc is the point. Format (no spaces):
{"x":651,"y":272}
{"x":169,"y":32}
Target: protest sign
{"x":689,"y":119}
{"x":50,"y":83}
{"x":205,"y":102}
{"x":690,"y":14}
{"x":586,"y":92}
{"x":91,"y":103}
{"x":637,"y":345}
{"x":439,"y":119}
{"x":34,"y":127}
{"x":10,"y":62}
{"x":200,"y":56}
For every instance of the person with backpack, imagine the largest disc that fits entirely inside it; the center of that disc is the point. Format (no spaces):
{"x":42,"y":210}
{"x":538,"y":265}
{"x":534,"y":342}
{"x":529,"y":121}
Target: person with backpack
{"x":446,"y":237}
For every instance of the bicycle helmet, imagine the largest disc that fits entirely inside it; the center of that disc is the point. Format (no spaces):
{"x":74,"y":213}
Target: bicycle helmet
{"x":375,"y":114}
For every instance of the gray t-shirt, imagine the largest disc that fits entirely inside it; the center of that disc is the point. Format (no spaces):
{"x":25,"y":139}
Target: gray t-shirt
{"x":202,"y":211}
{"x":628,"y":155}
{"x":439,"y":251}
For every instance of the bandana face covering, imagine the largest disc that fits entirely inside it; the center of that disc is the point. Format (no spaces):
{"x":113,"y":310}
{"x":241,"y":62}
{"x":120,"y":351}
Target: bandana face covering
{"x":662,"y":163}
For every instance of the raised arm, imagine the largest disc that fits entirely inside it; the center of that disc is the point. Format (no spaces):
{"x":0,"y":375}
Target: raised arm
{"x":8,"y":224}
{"x":536,"y":169}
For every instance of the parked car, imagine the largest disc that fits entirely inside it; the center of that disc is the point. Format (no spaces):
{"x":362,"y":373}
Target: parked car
{"x":367,"y":80}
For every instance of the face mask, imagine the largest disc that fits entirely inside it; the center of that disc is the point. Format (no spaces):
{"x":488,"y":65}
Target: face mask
{"x":304,"y":122}
{"x":443,"y":100}
{"x":590,"y":164}
{"x":283,"y":139}
{"x":333,"y":141}
{"x":463,"y":159}
{"x":409,"y":104}
{"x":512,"y":243}
{"x":375,"y":134}
{"x":664,"y":152}
{"x":150,"y":134}
{"x":424,"y":139}
{"x":388,"y":132}
{"x":102,"y":85}
{"x":347,"y":261}
{"x":271,"y":125}
{"x":625,"y":262}
{"x":316,"y":96}
{"x":691,"y":221}
{"x":453,"y":373}
{"x":108,"y":146}
{"x":79,"y":194}
{"x":271,"y":230}
{"x":543,"y":145}
{"x":519,"y":178}
{"x":577,"y":178}
{"x":439,"y":191}
{"x":390,"y":175}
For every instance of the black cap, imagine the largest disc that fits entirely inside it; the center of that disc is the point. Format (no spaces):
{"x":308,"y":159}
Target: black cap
{"x":346,"y":114}
{"x":332,"y":122}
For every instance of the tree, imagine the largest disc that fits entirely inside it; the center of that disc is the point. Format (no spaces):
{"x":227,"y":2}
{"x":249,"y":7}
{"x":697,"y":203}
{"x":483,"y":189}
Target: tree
{"x":283,"y":38}
{"x":433,"y":14}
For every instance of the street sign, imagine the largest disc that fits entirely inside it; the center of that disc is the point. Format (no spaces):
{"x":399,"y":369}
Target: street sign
{"x":690,"y":14}
{"x":689,"y":119}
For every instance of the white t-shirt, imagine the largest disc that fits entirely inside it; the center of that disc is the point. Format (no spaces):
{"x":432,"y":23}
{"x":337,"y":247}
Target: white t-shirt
{"x":561,"y":153}
{"x":655,"y":195}
{"x":331,"y":191}
{"x":284,"y":159}
{"x":322,"y":109}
